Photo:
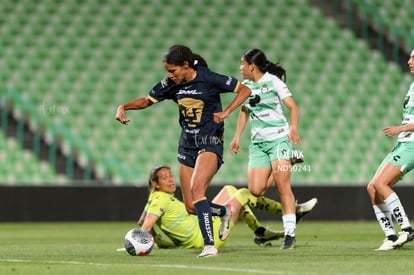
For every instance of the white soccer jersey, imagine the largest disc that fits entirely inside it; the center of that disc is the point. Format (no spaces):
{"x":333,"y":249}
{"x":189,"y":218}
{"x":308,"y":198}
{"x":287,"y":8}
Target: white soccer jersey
{"x":408,"y":115}
{"x":265,"y":108}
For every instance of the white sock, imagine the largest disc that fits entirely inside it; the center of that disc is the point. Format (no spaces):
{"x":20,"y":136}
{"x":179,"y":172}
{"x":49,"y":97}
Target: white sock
{"x":393,"y":203}
{"x":384,"y":219}
{"x":289,"y":224}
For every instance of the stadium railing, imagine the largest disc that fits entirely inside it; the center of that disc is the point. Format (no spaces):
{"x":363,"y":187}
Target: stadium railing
{"x":60,"y":139}
{"x":399,"y":35}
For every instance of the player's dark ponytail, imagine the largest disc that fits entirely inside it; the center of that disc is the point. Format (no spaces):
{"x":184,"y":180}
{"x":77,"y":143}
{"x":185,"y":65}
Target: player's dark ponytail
{"x":198,"y":60}
{"x":277,"y":70}
{"x":178,"y":54}
{"x":258,"y":58}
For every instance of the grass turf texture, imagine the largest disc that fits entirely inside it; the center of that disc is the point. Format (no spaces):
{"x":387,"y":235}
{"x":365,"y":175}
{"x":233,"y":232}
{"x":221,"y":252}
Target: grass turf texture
{"x":90,"y":248}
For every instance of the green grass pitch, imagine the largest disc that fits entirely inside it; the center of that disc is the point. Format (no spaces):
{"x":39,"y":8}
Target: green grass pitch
{"x":90,"y":248}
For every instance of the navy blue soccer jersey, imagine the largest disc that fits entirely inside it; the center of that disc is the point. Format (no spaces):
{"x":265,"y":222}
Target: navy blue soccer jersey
{"x":197,"y":101}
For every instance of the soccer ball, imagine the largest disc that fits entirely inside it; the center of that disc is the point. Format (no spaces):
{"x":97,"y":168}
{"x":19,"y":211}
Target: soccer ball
{"x":138,"y":242}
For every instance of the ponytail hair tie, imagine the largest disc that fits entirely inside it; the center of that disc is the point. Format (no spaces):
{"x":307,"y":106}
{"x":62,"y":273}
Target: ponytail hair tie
{"x":195,"y":62}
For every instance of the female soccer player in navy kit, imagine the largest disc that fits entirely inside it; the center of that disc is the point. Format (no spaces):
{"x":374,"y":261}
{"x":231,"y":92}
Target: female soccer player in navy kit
{"x":196,"y":90}
{"x":385,"y":202}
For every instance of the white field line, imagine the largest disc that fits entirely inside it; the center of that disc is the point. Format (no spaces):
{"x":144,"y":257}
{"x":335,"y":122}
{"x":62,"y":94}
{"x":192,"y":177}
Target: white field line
{"x":197,"y":267}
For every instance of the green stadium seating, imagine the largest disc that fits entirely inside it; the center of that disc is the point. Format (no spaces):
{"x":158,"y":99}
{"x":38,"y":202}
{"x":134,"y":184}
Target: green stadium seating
{"x":77,"y":60}
{"x":395,"y":17}
{"x":20,"y":167}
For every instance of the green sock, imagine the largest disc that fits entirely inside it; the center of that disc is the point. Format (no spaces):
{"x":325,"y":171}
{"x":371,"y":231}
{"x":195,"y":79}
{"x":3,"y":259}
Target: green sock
{"x":247,"y":215}
{"x":268,"y":205}
{"x":244,"y":197}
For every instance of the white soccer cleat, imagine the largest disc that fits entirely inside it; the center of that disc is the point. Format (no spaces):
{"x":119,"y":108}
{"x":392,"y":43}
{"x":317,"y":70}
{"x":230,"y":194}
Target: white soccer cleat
{"x":224,"y":231}
{"x":209,"y":251}
{"x":386,"y":245}
{"x":403,"y":238}
{"x":304,"y":208}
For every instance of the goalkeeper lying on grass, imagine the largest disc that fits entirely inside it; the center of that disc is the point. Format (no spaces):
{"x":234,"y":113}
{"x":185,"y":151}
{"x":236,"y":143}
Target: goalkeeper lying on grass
{"x":180,"y":229}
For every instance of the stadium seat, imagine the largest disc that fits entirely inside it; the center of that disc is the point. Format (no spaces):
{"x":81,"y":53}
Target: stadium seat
{"x":77,"y":60}
{"x":20,"y":167}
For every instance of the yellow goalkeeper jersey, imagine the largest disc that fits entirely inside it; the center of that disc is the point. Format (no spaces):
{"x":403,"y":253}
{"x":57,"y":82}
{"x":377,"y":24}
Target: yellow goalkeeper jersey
{"x":173,"y":219}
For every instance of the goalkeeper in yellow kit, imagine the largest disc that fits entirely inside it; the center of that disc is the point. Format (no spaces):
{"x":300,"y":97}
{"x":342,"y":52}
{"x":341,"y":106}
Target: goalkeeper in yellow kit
{"x":180,"y":229}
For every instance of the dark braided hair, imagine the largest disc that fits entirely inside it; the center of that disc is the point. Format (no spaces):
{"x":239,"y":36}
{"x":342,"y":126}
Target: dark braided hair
{"x":178,"y":54}
{"x":258,"y":58}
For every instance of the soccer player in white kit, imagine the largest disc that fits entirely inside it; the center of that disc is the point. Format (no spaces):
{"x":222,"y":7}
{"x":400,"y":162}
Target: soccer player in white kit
{"x":272,"y":137}
{"x":385,"y":202}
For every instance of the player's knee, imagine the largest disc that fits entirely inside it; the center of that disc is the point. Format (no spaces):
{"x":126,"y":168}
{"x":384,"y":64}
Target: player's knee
{"x":243,"y":195}
{"x":255,"y":191}
{"x":371,"y":188}
{"x":372,"y":192}
{"x":244,"y":191}
{"x":231,"y":190}
{"x":374,"y":184}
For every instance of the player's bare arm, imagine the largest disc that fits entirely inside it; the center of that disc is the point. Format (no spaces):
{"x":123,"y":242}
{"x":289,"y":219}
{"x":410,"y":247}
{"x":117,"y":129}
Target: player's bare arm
{"x":390,"y":131}
{"x":294,"y":120}
{"x":241,"y":124}
{"x":243,"y":92}
{"x":149,"y":222}
{"x":142,"y":218}
{"x":136,"y":104}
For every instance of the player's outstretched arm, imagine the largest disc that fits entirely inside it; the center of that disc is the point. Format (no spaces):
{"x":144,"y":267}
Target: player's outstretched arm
{"x":149,"y":224}
{"x":390,"y":131}
{"x":136,"y":104}
{"x":243,"y":92}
